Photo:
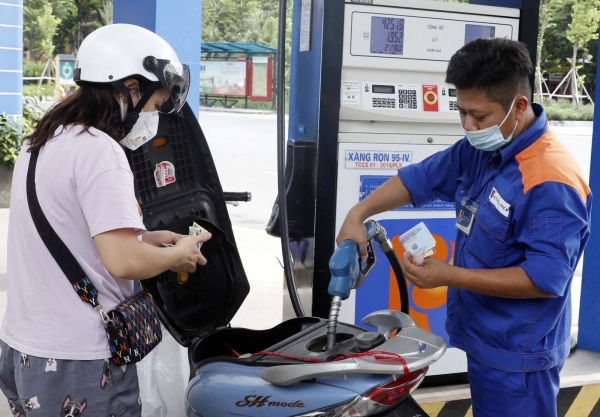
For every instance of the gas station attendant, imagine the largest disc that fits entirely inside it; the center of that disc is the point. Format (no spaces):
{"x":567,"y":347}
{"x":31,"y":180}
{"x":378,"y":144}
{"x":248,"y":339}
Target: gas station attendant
{"x":524,"y":210}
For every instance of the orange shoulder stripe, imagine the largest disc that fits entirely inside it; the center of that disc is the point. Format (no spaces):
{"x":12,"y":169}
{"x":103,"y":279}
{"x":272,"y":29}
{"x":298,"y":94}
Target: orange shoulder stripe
{"x":548,"y":160}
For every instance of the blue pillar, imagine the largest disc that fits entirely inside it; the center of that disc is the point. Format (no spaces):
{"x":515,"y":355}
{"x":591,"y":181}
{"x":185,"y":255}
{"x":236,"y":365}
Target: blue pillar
{"x":179,"y":22}
{"x":11,"y":57}
{"x":589,"y":311}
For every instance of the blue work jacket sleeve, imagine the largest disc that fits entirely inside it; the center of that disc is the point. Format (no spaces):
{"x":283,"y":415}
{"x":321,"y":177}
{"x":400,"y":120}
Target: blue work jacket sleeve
{"x":552,"y":224}
{"x":435,"y":176}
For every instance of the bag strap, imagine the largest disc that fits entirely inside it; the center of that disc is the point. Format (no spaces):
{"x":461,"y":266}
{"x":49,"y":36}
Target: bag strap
{"x":62,"y":255}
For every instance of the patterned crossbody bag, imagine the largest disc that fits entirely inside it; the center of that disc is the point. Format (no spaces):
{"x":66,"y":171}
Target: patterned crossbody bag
{"x":133,"y":328}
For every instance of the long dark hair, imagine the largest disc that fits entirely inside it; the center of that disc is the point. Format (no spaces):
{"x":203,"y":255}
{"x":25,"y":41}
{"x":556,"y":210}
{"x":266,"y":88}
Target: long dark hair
{"x":92,"y":105}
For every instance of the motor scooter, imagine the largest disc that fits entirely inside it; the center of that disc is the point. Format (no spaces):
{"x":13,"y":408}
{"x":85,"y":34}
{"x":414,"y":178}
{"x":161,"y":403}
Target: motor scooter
{"x":309,"y":366}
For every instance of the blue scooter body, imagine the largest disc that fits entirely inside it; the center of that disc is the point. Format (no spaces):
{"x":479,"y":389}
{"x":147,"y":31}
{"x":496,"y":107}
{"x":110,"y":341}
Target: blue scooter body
{"x":223,"y":388}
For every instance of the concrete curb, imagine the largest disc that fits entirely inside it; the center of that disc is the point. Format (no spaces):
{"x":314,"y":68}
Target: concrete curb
{"x":570,"y":123}
{"x":238,"y":111}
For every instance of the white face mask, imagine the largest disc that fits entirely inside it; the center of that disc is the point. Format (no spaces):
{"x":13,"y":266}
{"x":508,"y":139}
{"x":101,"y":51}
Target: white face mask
{"x":490,"y":139}
{"x":142,"y":131}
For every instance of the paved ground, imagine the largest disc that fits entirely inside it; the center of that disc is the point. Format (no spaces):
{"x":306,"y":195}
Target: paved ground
{"x":244,"y":149}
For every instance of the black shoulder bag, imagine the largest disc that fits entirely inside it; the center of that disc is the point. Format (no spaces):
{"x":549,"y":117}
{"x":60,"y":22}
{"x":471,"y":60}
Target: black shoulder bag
{"x":133,"y":327}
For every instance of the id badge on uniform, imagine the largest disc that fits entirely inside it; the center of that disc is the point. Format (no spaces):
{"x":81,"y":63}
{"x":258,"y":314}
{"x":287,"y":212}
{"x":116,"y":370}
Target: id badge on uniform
{"x":466,"y":215}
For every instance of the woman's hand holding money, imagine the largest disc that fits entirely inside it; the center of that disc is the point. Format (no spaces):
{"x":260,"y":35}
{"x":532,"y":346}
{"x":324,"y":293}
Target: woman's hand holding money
{"x":161,"y":238}
{"x":190,"y":255}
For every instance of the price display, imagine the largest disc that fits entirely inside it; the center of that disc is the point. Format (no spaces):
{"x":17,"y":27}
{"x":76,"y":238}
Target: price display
{"x":387,"y":35}
{"x":384,"y":89}
{"x":473,"y":32}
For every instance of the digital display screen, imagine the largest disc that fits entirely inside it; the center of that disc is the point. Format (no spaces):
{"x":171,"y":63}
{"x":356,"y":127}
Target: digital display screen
{"x":473,"y":32}
{"x":384,"y":89}
{"x":452,"y":92}
{"x":387,"y":35}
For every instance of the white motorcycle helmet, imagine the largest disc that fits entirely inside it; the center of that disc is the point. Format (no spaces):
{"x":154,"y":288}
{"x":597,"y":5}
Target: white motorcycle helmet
{"x":115,"y":53}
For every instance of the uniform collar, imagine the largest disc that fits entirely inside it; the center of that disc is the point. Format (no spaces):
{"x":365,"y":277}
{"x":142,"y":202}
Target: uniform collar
{"x":525,"y":139}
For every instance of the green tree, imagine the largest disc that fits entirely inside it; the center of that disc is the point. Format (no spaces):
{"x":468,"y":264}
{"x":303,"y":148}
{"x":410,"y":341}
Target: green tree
{"x":228,"y":20}
{"x":47,"y":24}
{"x":76,"y":19}
{"x":556,"y":47}
{"x":545,"y":22}
{"x":84,"y":17}
{"x":107,"y":11}
{"x":212,"y":11}
{"x":557,"y":50}
{"x":47,"y":11}
{"x":583,"y":28}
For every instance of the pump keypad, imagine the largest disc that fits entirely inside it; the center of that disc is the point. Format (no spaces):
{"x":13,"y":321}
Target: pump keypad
{"x":407,"y":99}
{"x":452,"y":106}
{"x":387,"y":103}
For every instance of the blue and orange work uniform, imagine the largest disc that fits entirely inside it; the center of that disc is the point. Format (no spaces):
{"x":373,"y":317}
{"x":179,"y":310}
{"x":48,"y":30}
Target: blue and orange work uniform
{"x":533,"y":212}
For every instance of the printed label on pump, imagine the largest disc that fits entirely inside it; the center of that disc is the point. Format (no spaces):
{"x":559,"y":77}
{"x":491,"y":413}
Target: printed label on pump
{"x":305,"y":25}
{"x":377,"y":159}
{"x":164,"y":174}
{"x":369,"y":183}
{"x":351,"y":92}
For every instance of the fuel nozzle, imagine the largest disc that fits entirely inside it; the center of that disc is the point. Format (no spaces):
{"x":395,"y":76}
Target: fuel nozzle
{"x":347,"y":273}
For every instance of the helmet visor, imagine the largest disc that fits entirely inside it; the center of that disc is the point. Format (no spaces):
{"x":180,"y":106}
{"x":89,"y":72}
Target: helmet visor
{"x":175,"y":77}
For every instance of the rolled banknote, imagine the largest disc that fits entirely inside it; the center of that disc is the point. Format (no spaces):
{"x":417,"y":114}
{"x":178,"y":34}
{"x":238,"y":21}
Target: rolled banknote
{"x":197,"y":230}
{"x":419,"y":242}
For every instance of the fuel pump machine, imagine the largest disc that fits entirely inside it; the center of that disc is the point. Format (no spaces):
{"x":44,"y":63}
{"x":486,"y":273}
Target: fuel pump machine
{"x":375,"y":70}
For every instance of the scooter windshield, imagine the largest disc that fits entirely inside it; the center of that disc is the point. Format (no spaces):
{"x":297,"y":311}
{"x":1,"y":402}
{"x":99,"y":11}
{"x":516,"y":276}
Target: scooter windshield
{"x":175,"y":78}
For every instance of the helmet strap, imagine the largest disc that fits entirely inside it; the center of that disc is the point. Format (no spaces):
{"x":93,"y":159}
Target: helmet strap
{"x":144,"y":99}
{"x":133,"y":113}
{"x":121,"y":87}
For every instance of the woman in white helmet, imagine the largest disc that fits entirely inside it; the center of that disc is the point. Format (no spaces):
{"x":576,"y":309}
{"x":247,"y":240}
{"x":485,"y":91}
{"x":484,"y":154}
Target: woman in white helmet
{"x":54,"y":354}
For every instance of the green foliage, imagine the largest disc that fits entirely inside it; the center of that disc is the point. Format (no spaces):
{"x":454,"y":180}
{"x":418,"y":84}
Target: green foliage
{"x":583,"y":28}
{"x":14,"y":129}
{"x":42,"y":20}
{"x":242,"y":21}
{"x":259,"y":105}
{"x":32,"y":69}
{"x":11,"y":134}
{"x":47,"y":24}
{"x":32,"y":90}
{"x":567,"y":22}
{"x":584,"y":22}
{"x":562,"y":109}
{"x":72,"y":21}
{"x":107,"y":11}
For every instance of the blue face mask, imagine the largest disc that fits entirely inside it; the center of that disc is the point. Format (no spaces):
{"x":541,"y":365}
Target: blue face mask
{"x":490,"y":139}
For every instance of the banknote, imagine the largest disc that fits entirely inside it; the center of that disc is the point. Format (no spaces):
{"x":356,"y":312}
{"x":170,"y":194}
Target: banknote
{"x":196,"y":230}
{"x":418,"y":240}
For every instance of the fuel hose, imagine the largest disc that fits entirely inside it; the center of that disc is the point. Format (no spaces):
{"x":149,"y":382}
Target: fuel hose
{"x":395,"y":263}
{"x":388,"y":249}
